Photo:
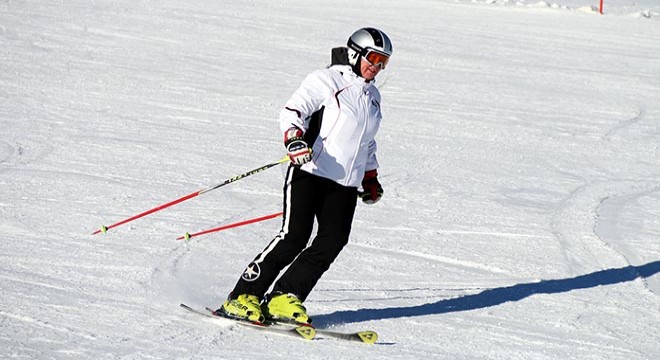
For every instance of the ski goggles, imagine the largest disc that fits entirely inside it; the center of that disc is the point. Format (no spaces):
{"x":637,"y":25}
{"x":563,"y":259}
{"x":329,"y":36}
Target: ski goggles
{"x":376,"y":58}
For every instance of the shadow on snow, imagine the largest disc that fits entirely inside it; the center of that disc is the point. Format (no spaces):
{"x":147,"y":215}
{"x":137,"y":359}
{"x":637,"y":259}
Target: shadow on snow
{"x":493,"y":297}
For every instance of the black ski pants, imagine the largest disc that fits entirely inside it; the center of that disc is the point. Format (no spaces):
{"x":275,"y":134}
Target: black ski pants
{"x":306,"y":197}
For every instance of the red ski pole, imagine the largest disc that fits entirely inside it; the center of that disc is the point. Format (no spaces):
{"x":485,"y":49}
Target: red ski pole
{"x":104,"y":229}
{"x":188,"y":236}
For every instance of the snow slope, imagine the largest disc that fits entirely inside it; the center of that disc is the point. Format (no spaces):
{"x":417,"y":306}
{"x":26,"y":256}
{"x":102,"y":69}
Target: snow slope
{"x":519,"y":155}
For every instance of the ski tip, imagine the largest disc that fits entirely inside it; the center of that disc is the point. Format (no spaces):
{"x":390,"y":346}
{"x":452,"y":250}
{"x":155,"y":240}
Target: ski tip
{"x":369,"y":337}
{"x":306,"y":331}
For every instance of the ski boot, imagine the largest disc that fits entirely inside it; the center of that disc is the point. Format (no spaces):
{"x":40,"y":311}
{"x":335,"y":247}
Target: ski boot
{"x":244,"y":307}
{"x":286,"y":308}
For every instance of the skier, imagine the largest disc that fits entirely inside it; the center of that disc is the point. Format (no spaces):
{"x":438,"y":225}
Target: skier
{"x":329,"y":125}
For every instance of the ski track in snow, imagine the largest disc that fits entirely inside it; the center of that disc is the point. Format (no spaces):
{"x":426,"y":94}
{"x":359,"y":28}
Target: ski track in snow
{"x":608,"y":232}
{"x":435,"y":258}
{"x":626,"y":123}
{"x":29,"y":321}
{"x":6,"y":151}
{"x":571,"y":222}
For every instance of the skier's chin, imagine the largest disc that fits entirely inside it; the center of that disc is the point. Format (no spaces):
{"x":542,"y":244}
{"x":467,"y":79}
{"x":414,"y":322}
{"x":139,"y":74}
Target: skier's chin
{"x":370,"y":74}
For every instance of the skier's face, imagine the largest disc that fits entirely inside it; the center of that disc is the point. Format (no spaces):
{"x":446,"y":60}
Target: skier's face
{"x":368,"y":70}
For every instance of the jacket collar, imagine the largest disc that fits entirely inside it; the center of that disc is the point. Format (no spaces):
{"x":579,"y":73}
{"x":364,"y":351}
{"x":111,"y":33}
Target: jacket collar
{"x":348,"y":74}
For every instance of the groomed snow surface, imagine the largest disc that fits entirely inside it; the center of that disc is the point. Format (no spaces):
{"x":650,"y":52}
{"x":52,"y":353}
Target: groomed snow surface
{"x":519,"y":153}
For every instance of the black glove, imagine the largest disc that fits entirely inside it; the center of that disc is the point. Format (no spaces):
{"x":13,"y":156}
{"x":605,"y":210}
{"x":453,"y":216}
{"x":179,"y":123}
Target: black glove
{"x":296,"y":147}
{"x":372,"y":189}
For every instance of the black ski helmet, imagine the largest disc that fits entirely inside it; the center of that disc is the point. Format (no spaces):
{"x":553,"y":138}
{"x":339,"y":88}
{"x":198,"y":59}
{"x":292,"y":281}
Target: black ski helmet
{"x":364,"y":40}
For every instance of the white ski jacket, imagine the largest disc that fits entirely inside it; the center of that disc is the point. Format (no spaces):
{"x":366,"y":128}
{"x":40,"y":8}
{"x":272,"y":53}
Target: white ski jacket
{"x":346,"y":145}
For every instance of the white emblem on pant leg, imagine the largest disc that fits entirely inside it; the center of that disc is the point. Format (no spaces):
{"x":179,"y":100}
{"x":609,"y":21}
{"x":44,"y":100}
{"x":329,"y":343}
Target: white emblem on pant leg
{"x":252,"y":272}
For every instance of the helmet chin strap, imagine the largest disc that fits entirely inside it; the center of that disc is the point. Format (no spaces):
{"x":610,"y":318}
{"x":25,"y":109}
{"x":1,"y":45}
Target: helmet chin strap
{"x":357,"y":66}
